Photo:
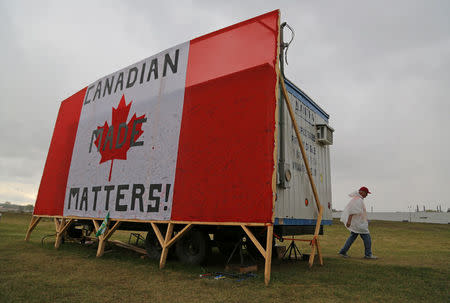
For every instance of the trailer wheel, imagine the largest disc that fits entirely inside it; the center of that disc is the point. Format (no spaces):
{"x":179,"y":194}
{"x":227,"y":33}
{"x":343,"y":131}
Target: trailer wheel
{"x":193,"y":248}
{"x":152,"y":246}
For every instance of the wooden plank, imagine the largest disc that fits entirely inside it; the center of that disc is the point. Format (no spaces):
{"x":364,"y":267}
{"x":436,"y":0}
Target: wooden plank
{"x":59,"y":226}
{"x":276,"y":133}
{"x":165,"y":221}
{"x":254,"y":240}
{"x":179,"y":235}
{"x":216,"y":223}
{"x":101,"y":242}
{"x":129,"y":246}
{"x":268,"y":257}
{"x":96,"y":225}
{"x":56,"y":220}
{"x":241,"y":269}
{"x":319,"y":252}
{"x":158,"y":233}
{"x":33,"y":223}
{"x":319,"y":220}
{"x":165,"y":250}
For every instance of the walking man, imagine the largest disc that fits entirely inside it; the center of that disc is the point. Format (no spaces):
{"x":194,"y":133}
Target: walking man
{"x":354,"y":217}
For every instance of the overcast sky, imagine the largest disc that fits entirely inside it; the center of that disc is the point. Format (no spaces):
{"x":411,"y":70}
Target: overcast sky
{"x":381,"y":70}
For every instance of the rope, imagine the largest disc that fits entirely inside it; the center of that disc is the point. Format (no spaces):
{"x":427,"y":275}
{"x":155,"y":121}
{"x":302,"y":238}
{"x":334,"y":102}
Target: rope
{"x":311,"y":242}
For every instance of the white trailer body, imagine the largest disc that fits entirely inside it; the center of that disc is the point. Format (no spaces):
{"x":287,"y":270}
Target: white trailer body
{"x":295,"y":208}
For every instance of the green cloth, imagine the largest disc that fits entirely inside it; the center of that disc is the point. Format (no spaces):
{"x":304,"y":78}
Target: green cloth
{"x":102,"y":228}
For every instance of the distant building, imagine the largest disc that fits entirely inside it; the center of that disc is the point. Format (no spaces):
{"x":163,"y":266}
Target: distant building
{"x":422,"y":216}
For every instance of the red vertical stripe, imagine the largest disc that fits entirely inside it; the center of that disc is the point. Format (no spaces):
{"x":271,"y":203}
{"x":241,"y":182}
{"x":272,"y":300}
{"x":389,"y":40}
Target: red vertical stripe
{"x":225,"y":159}
{"x":50,"y":198}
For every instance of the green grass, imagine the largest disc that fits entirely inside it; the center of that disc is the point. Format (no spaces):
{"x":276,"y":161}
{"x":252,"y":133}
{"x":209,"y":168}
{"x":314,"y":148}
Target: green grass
{"x":414,"y":266}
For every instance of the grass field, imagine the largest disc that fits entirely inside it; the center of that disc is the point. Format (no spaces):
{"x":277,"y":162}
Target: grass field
{"x":414,"y":266}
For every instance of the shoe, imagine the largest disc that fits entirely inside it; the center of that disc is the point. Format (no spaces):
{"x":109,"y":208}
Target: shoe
{"x":372,"y":257}
{"x":343,"y":255}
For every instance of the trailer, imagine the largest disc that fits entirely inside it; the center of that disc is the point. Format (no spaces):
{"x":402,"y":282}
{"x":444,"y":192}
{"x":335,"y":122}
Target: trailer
{"x":204,"y":144}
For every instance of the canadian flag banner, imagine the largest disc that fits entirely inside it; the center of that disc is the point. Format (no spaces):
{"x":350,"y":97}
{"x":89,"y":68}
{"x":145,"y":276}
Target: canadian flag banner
{"x":184,"y":135}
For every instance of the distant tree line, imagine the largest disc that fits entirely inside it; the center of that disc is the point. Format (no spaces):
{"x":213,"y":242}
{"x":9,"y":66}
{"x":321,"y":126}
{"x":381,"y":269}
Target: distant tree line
{"x":438,"y":209}
{"x":11,"y":207}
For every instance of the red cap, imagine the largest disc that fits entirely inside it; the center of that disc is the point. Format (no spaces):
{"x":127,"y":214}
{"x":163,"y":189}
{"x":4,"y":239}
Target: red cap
{"x":365,"y":189}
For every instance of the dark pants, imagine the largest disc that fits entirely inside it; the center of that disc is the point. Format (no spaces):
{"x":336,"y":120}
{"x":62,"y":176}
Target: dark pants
{"x":367,"y":243}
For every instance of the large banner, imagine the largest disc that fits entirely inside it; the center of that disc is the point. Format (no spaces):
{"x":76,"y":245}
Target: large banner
{"x":126,"y":146}
{"x":185,"y":135}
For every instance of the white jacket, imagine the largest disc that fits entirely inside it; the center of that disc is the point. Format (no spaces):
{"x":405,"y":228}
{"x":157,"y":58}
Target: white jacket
{"x":356,"y":207}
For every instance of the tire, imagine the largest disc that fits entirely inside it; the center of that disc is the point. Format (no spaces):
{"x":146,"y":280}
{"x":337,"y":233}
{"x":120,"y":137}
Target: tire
{"x":152,"y":246}
{"x":193,"y":247}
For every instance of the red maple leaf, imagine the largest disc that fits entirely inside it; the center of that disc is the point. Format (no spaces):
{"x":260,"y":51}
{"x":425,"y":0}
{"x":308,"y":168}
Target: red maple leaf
{"x":115,"y":141}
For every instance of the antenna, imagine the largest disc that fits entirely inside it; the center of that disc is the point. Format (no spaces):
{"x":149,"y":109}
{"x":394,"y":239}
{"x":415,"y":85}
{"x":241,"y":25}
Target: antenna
{"x":285,"y":45}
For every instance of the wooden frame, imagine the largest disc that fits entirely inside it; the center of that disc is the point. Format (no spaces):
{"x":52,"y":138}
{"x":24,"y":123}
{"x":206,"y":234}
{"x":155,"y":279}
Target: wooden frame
{"x":166,"y":241}
{"x":34,"y":222}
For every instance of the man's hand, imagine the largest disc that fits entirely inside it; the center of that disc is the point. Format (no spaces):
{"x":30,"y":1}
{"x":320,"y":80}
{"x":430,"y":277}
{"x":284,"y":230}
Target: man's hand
{"x":349,"y":221}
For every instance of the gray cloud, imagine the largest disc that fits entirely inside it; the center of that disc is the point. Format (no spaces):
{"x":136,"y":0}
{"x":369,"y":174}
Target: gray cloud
{"x":381,"y":70}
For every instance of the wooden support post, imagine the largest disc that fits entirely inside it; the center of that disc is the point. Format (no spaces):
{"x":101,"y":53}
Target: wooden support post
{"x":56,"y":220}
{"x":34,"y":221}
{"x":158,"y":234}
{"x":313,"y":252}
{"x":315,"y":248}
{"x":103,"y":238}
{"x":58,"y":239}
{"x":62,"y":227}
{"x":319,"y":252}
{"x":165,"y":248}
{"x":101,"y":246}
{"x":96,"y":225}
{"x":268,"y":256}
